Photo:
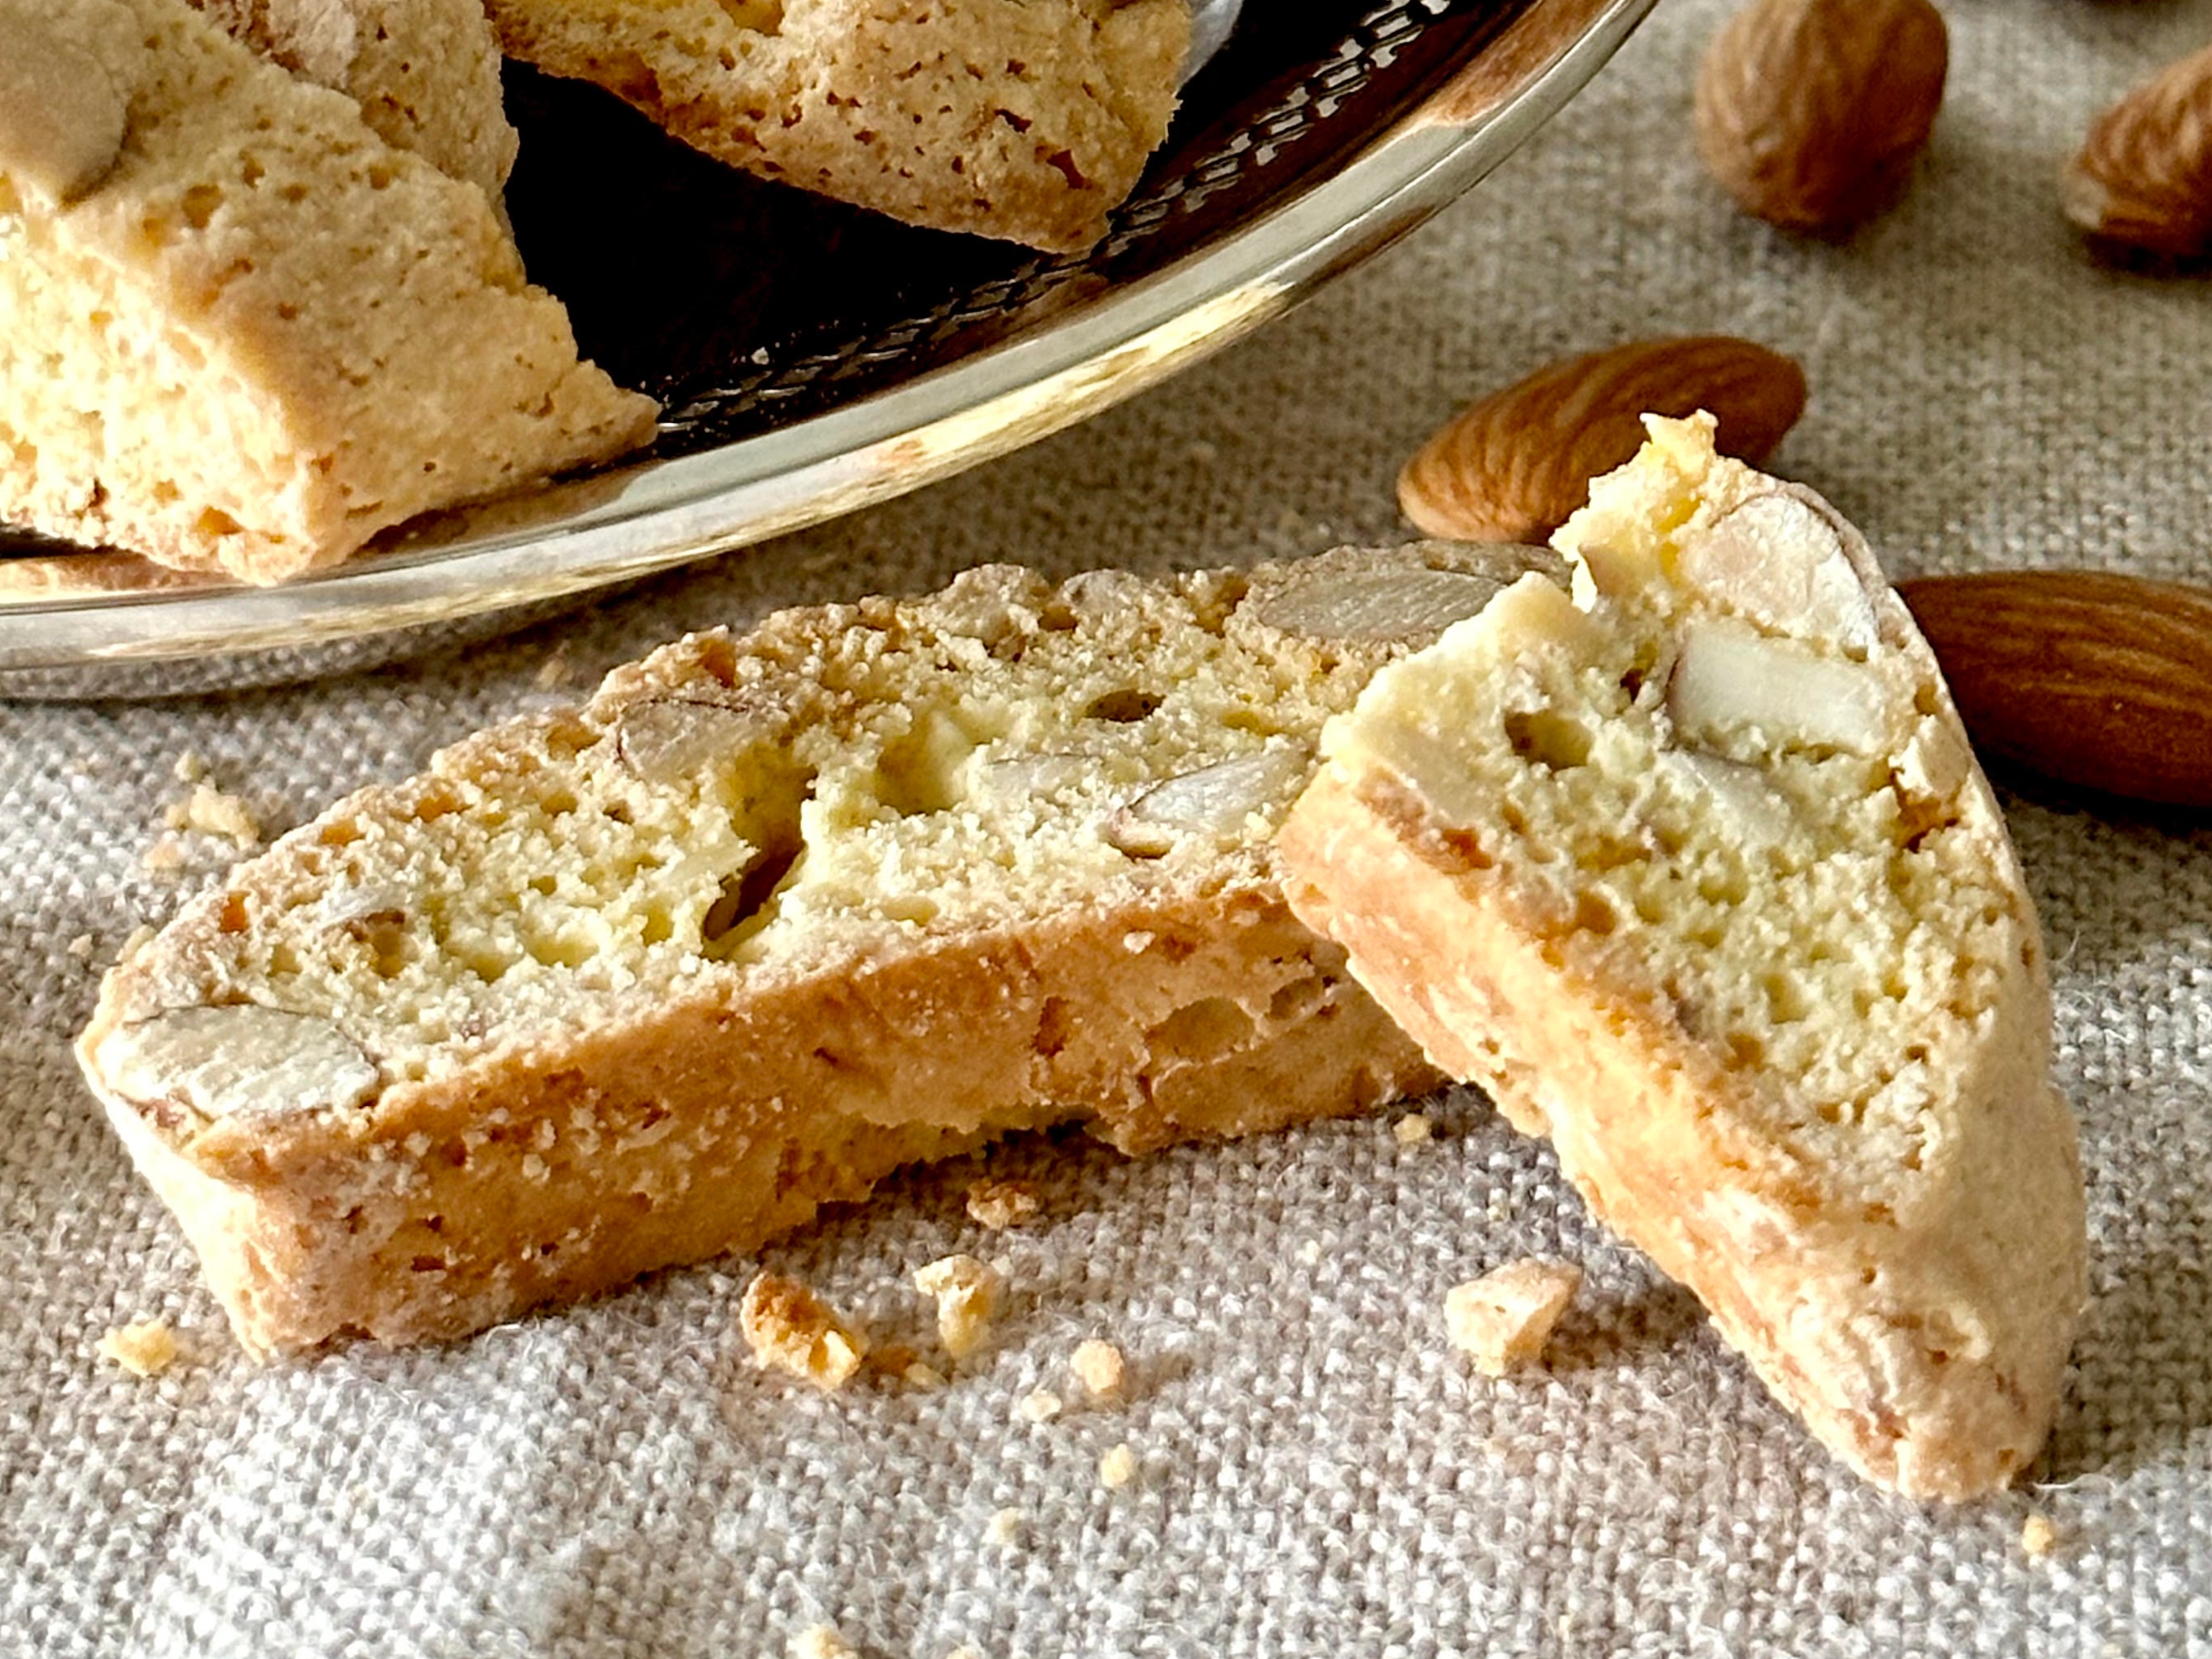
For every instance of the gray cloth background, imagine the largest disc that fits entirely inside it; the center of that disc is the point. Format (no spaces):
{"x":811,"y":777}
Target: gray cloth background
{"x":1319,"y":1474}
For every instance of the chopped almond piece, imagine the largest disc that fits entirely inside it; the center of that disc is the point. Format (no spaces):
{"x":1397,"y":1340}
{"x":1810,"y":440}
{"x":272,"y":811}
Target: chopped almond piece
{"x":1503,"y":1319}
{"x":788,"y":1327}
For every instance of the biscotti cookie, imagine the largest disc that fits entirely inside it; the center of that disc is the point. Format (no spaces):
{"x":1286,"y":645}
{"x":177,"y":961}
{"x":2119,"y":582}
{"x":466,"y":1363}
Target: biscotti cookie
{"x":1026,"y":119}
{"x":425,"y":72}
{"x":770,"y":917}
{"x":1696,"y":873}
{"x":238,"y":331}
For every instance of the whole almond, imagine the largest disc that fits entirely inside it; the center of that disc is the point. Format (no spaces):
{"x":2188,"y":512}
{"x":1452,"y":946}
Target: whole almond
{"x":1512,"y":467}
{"x":2100,"y":681}
{"x":2144,"y":177}
{"x":1811,"y":111}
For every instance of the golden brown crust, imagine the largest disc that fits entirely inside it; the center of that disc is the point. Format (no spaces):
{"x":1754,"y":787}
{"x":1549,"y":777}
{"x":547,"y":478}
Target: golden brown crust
{"x":1025,"y":119}
{"x":370,"y":1122}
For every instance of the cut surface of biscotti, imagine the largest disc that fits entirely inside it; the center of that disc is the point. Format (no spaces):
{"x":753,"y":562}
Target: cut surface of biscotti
{"x":1025,"y":119}
{"x":1696,"y":873}
{"x":238,"y":332}
{"x":425,"y":72}
{"x":769,"y":917}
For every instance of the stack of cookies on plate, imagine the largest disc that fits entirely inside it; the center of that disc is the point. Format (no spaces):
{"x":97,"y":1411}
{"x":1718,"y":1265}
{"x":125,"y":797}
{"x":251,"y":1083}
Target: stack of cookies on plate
{"x":259,"y":301}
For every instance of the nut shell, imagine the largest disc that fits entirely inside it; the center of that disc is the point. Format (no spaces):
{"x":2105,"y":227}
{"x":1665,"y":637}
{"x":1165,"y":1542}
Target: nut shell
{"x":2143,"y":176}
{"x":1514,"y":466}
{"x":1811,"y":112}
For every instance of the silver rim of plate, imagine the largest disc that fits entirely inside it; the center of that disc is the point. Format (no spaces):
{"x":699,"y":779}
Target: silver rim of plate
{"x":92,"y":624}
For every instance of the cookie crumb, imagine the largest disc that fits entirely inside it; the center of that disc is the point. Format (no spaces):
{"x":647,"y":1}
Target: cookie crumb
{"x":192,"y":766}
{"x":1100,"y":1366}
{"x":140,"y":936}
{"x":1412,"y":1129}
{"x":81,"y":947}
{"x":1503,"y":1319}
{"x":999,"y":1205}
{"x":967,"y":1293}
{"x":146,"y":1347}
{"x":165,"y":857}
{"x":787,"y":1327}
{"x":554,"y":672}
{"x":823,"y":1642}
{"x":1006,"y":1528}
{"x":1117,"y":1469}
{"x":1038,"y":1406}
{"x":923,"y":1375}
{"x":2038,"y":1535}
{"x":209,"y":811}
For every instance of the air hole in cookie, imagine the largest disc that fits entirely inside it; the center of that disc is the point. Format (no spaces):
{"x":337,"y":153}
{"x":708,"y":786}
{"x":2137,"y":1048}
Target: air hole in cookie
{"x":231,"y":919}
{"x":1467,"y":848}
{"x":559,"y":951}
{"x":743,"y":906}
{"x":1548,"y":738}
{"x":544,"y":884}
{"x":1786,"y":1001}
{"x":1053,"y":1024}
{"x":1297,"y":1000}
{"x":428,"y":1264}
{"x":1123,"y":707}
{"x":1723,"y":887}
{"x":201,"y":202}
{"x":1594,"y":914}
{"x":1745,"y":1050}
{"x":1201,"y":1030}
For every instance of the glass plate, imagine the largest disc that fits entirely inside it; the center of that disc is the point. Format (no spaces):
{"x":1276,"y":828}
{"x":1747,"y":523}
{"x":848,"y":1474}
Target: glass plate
{"x":812,"y":359}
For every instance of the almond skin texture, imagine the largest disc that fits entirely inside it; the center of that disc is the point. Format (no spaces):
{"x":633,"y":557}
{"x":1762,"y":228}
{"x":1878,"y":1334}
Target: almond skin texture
{"x":2143,"y":178}
{"x":2102,"y":681}
{"x":1514,"y":466}
{"x":1812,"y":112}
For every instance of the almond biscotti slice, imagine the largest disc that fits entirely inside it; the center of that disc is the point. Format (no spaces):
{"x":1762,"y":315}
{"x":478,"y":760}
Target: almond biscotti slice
{"x":1025,"y":119}
{"x":770,"y":917}
{"x":425,"y":72}
{"x":238,"y":331}
{"x":1696,"y":873}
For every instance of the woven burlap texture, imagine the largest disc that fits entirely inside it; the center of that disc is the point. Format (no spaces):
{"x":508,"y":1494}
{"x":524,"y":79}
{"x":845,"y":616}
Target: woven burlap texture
{"x":1318,"y":1474}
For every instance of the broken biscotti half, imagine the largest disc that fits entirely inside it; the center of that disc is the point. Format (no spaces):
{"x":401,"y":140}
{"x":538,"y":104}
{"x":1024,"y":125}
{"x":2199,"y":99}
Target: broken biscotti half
{"x":769,"y":917}
{"x":425,"y":72}
{"x":241,"y":332}
{"x":1025,"y":119}
{"x":1696,"y":873}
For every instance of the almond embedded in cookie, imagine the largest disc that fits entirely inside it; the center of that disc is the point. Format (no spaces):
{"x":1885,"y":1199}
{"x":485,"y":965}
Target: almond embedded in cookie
{"x":1696,"y":874}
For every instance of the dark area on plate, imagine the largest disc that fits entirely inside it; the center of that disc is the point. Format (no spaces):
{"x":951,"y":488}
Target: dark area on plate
{"x":743,"y":304}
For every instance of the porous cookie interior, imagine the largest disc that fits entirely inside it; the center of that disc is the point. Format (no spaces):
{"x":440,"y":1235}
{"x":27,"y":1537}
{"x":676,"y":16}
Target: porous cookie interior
{"x":841,"y":785}
{"x":1726,"y":788}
